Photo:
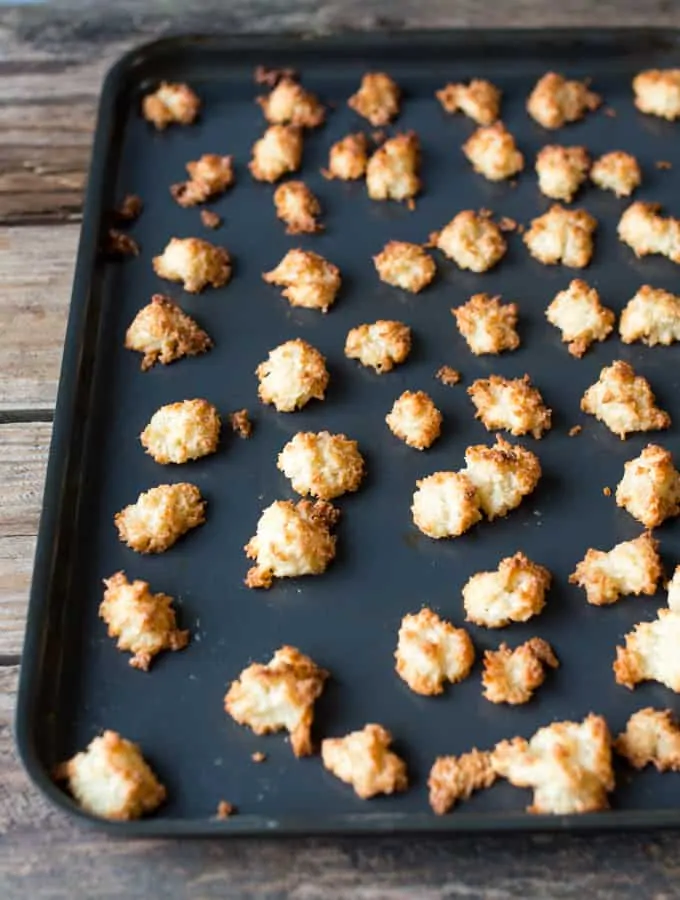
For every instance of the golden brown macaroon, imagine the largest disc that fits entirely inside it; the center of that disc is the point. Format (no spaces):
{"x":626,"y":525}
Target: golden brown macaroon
{"x":160,"y":517}
{"x":555,"y":101}
{"x":618,"y":172}
{"x":209,"y":176}
{"x":364,"y":760}
{"x":195,"y":263}
{"x":308,"y":279}
{"x":431,"y":651}
{"x":380,"y":345}
{"x":651,"y":653}
{"x":322,"y":464}
{"x":445,"y":504}
{"x":502,"y":474}
{"x":406,"y":266}
{"x":487,"y":325}
{"x":279,"y":696}
{"x":657,"y":92}
{"x":276,"y":153}
{"x":624,"y":401}
{"x":291,"y":540}
{"x":652,"y":736}
{"x":392,"y":171}
{"x":454,"y":778}
{"x":288,"y":103}
{"x":493,"y":153}
{"x":514,"y":592}
{"x":512,"y":404}
{"x":144,"y":623}
{"x":348,"y":158}
{"x":562,"y":236}
{"x":480,"y":100}
{"x":182,"y":431}
{"x":415,"y":419}
{"x":378,"y":98}
{"x":163,"y":333}
{"x":631,"y":567}
{"x":472,"y":240}
{"x":580,"y":316}
{"x":650,"y":487}
{"x":111,"y":779}
{"x":568,"y":765}
{"x":647,"y":232}
{"x":171,"y":103}
{"x":561,"y":171}
{"x":651,"y":316}
{"x":512,"y":676}
{"x":297,"y":206}
{"x":293,"y":374}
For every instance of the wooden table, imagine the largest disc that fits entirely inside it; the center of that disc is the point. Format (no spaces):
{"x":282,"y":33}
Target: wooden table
{"x":52,"y":59}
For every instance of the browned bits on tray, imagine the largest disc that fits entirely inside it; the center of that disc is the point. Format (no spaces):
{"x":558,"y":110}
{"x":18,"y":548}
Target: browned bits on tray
{"x":607,"y":491}
{"x":575,"y":430}
{"x":163,"y":333}
{"x":555,"y":101}
{"x":129,"y":209}
{"x":241,"y":424}
{"x":225,"y":810}
{"x":210,"y":219}
{"x":480,"y":100}
{"x":209,"y":176}
{"x":258,"y":756}
{"x":276,"y":153}
{"x":297,"y":206}
{"x":194,"y":262}
{"x":171,"y":103}
{"x":663,"y":164}
{"x":378,"y":98}
{"x":448,"y":375}
{"x":118,"y":244}
{"x":270,"y":77}
{"x":289,"y":103}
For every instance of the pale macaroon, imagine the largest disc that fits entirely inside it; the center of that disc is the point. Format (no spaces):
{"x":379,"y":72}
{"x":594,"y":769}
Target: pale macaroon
{"x":561,"y":171}
{"x":179,"y":432}
{"x":514,"y":592}
{"x":194,"y":263}
{"x":380,"y":345}
{"x":512,"y":676}
{"x":650,"y":487}
{"x":172,"y":103}
{"x":493,"y":153}
{"x":580,"y":316}
{"x":512,"y":404}
{"x":651,"y":316}
{"x":629,"y":568}
{"x":363,"y":760}
{"x":651,"y":653}
{"x":293,"y":374}
{"x":657,"y":93}
{"x":322,"y":464}
{"x":651,"y":737}
{"x":563,"y":236}
{"x":431,"y":651}
{"x":472,"y":240}
{"x":404,"y":265}
{"x":624,"y":401}
{"x":377,"y":99}
{"x":415,"y":419}
{"x":288,"y":103}
{"x":455,"y":778}
{"x":618,"y":172}
{"x":555,"y":100}
{"x":445,"y":504}
{"x":308,"y":280}
{"x":277,"y":153}
{"x":160,"y":517}
{"x":162,"y":333}
{"x":479,"y":100}
{"x":392,"y":171}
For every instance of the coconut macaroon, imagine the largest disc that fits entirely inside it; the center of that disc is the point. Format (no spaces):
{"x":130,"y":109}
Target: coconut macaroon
{"x":171,"y":103}
{"x":480,"y":100}
{"x":673,"y":588}
{"x":288,"y":103}
{"x":493,"y":152}
{"x":561,"y":171}
{"x":431,"y":651}
{"x":392,"y":171}
{"x":161,"y":332}
{"x":650,"y":487}
{"x":111,"y":779}
{"x":555,"y":101}
{"x":308,"y":279}
{"x":568,"y":764}
{"x":279,"y":696}
{"x":580,"y":316}
{"x":651,"y":653}
{"x":297,"y":206}
{"x":195,"y":263}
{"x":182,"y":431}
{"x":562,"y":236}
{"x":324,"y":465}
{"x":293,"y":374}
{"x":514,"y":592}
{"x":624,"y":401}
{"x":160,"y":517}
{"x":144,"y":623}
{"x":472,"y":240}
{"x":380,"y":345}
{"x":415,"y":419}
{"x":647,"y":232}
{"x":652,"y":736}
{"x":377,"y":98}
{"x":618,"y":172}
{"x":512,"y":404}
{"x":445,"y":504}
{"x":364,"y":760}
{"x":454,"y":778}
{"x":631,"y":567}
{"x":276,"y":153}
{"x":291,"y":540}
{"x":502,"y":474}
{"x":512,"y":676}
{"x":406,"y":266}
{"x":651,"y":316}
{"x":348,"y":158}
{"x":487,"y":325}
{"x":209,"y":176}
{"x":657,"y":92}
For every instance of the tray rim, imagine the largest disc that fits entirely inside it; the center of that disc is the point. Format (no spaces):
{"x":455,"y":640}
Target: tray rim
{"x":61,"y":454}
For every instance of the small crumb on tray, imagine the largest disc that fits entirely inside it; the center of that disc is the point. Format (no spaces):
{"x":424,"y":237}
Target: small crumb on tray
{"x":270,"y":77}
{"x":240,"y":423}
{"x":663,"y":164}
{"x":507,"y":224}
{"x":577,"y":429}
{"x":131,"y":207}
{"x":210,"y":219}
{"x":448,"y":376}
{"x":225,"y":810}
{"x":119,"y":244}
{"x":258,"y":756}
{"x":607,"y":491}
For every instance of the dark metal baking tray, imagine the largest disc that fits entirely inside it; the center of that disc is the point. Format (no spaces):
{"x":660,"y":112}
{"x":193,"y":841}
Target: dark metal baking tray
{"x":74,"y":682}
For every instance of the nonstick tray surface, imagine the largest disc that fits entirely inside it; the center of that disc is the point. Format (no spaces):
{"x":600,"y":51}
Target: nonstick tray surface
{"x":74,"y":680}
